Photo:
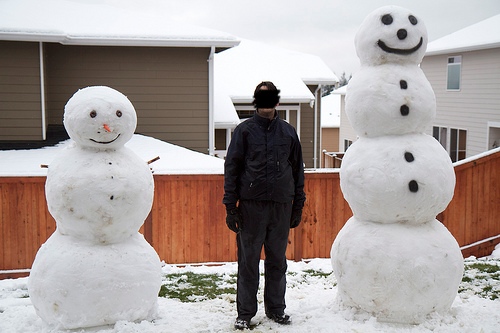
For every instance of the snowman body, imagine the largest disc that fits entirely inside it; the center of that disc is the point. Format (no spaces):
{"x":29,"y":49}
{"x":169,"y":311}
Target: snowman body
{"x":393,"y":259}
{"x":110,"y":207}
{"x":96,"y":268}
{"x":398,"y":272}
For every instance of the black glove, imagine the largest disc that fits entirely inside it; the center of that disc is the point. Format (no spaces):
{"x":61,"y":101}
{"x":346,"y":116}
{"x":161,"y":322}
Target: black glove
{"x":296,"y":218}
{"x":234,"y":219}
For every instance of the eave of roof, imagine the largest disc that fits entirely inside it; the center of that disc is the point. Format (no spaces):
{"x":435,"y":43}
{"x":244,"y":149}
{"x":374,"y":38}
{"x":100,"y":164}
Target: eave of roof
{"x":119,"y":41}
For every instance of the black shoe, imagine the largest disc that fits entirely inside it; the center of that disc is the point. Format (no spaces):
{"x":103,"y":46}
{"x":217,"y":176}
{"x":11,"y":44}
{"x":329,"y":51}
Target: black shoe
{"x":282,"y":319}
{"x":241,"y":324}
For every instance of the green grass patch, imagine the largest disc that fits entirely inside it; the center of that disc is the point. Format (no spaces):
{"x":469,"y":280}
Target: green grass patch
{"x":481,"y":278}
{"x":192,"y":287}
{"x":315,"y":273}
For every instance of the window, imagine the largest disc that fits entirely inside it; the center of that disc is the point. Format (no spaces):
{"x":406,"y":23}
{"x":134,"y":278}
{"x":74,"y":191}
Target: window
{"x":347,"y":144}
{"x":245,"y":113}
{"x":441,"y":134}
{"x":457,"y":139}
{"x":493,"y":135}
{"x":454,"y":69}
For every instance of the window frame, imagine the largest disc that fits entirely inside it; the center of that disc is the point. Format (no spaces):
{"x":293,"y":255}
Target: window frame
{"x":454,"y":141}
{"x":454,"y":66}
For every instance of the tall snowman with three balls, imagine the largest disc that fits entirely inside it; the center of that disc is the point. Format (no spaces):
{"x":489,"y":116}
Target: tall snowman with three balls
{"x":393,"y":259}
{"x":96,"y":268}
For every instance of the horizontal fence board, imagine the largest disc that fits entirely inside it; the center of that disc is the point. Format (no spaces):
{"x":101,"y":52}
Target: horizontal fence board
{"x":187,"y":221}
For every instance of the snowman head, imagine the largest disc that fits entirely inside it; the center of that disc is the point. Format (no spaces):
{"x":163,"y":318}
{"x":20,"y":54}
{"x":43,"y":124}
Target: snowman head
{"x":391,"y":34}
{"x":100,"y":117}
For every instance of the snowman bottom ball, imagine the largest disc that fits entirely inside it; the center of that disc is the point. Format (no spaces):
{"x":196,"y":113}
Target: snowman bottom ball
{"x":397,"y":272}
{"x":74,"y":284}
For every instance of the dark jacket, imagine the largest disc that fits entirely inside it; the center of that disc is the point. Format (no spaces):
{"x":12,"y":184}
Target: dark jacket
{"x":264,"y":162}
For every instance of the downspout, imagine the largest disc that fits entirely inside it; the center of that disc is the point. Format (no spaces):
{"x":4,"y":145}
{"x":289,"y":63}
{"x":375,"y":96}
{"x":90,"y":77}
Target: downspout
{"x":299,"y":118}
{"x":211,"y":125}
{"x":42,"y":91}
{"x":315,"y":145}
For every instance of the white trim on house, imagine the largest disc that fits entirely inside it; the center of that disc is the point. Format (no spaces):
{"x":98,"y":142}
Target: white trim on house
{"x":118,"y":41}
{"x":490,"y":125}
{"x":211,"y":121}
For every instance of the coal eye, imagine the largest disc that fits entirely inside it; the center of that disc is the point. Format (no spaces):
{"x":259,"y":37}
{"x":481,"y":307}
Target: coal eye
{"x":93,"y":114}
{"x":118,"y":113}
{"x":413,"y":19}
{"x":387,"y":19}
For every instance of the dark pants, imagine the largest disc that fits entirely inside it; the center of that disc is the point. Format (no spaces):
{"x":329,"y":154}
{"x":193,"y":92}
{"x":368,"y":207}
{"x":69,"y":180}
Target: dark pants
{"x":265,"y":223}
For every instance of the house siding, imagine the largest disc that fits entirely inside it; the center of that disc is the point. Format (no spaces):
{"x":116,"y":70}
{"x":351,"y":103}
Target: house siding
{"x":168,"y":86}
{"x":478,"y":100}
{"x":346,"y":131}
{"x":307,"y":134}
{"x":330,"y":139}
{"x":20,"y":97}
{"x":307,"y":130}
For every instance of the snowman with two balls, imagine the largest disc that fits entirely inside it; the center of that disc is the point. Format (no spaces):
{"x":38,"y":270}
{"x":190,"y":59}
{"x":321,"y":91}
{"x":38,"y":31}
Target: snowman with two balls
{"x":96,"y":268}
{"x":393,"y":259}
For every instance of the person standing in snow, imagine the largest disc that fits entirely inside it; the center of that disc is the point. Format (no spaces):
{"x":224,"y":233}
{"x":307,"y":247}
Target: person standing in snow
{"x":264,"y":196}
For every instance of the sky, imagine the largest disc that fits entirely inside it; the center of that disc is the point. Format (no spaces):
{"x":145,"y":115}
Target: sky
{"x":325,"y":28}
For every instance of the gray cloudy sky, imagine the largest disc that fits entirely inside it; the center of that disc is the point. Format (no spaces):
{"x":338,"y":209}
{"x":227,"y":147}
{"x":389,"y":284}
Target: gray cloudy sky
{"x":322,"y":27}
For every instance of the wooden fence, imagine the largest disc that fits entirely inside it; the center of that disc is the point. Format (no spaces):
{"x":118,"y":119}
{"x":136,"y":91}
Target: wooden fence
{"x":187,"y":221}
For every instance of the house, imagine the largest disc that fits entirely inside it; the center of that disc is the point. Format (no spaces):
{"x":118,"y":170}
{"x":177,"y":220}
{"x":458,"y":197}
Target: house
{"x":347,"y":135}
{"x":330,"y":122}
{"x":50,"y":49}
{"x":464,"y":71}
{"x":299,"y":77}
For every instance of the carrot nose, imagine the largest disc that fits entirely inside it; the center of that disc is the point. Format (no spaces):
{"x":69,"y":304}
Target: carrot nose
{"x":106,"y":127}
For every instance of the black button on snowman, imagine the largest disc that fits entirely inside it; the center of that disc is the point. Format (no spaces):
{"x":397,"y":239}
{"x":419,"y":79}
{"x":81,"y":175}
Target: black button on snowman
{"x":393,"y":259}
{"x":96,"y":268}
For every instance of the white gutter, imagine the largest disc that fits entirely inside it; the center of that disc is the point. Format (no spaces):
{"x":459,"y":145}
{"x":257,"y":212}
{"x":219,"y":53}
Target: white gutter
{"x":211,"y":125}
{"x":299,"y":116}
{"x":42,"y":92}
{"x":120,"y":40}
{"x":315,"y":145}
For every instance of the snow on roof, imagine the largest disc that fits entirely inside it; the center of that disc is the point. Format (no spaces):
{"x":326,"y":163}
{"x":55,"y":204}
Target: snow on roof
{"x":173,"y":159}
{"x":479,"y":36}
{"x":340,"y":91}
{"x":100,"y":23}
{"x":240,"y":69}
{"x":330,"y":111}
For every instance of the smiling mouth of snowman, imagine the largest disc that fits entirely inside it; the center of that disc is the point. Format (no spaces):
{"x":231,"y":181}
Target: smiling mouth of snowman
{"x":388,"y":49}
{"x":106,"y":142}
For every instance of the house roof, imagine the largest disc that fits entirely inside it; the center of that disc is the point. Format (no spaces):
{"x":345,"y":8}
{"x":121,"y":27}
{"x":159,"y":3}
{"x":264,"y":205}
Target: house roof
{"x":98,"y":23}
{"x":240,"y":69}
{"x":330,"y":111}
{"x":479,"y":36}
{"x":340,"y":91}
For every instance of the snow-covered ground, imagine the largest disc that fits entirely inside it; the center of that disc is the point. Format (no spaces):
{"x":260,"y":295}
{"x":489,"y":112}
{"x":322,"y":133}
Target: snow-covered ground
{"x":310,"y":298}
